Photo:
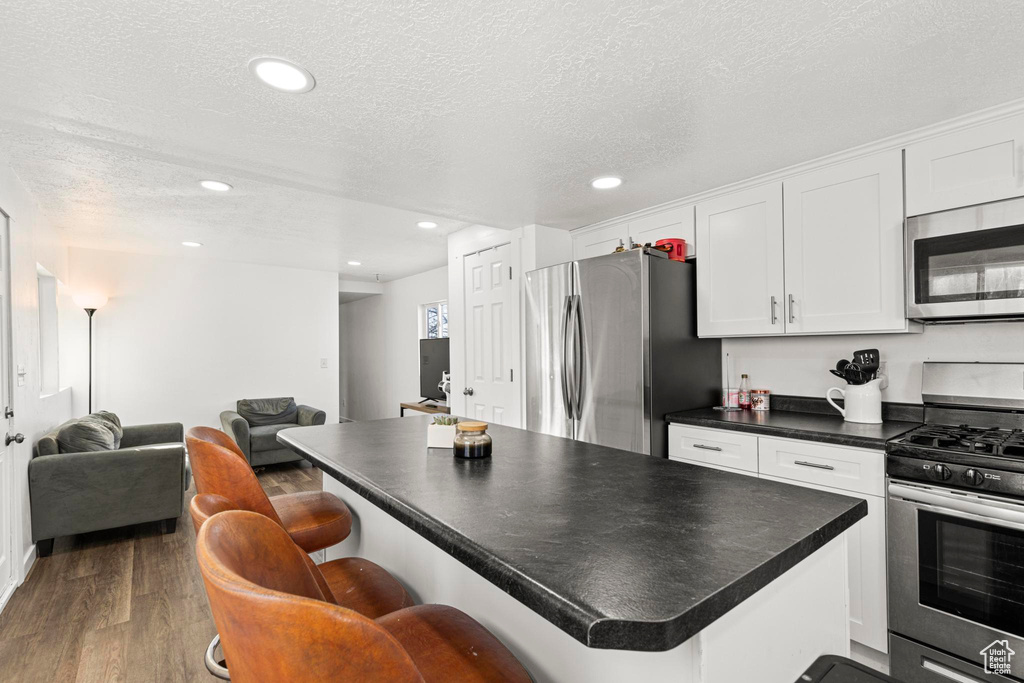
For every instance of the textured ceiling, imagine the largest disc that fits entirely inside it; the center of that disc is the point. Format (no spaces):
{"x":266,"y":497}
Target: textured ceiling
{"x":496,"y":113}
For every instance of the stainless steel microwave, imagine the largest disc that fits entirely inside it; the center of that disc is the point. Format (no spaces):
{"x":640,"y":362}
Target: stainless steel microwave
{"x":967,"y":264}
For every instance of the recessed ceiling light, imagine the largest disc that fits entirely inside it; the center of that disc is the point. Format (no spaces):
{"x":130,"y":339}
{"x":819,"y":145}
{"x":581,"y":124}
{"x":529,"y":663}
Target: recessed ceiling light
{"x":215,"y":185}
{"x":191,"y":244}
{"x":426,"y":224}
{"x":355,"y":263}
{"x":606,"y":182}
{"x":280,"y":74}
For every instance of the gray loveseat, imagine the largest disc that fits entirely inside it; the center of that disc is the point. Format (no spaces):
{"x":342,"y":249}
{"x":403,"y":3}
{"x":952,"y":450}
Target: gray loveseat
{"x":256,"y":421}
{"x":143,"y":479}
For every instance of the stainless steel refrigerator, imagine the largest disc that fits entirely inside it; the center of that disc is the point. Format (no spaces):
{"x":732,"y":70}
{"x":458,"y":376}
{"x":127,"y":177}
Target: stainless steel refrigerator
{"x":611,"y":347}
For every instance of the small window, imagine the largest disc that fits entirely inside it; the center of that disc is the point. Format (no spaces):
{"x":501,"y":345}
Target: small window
{"x":48,"y":347}
{"x":435,"y":320}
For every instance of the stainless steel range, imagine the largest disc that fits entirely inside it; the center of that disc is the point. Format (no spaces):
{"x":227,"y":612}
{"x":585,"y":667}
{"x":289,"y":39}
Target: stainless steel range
{"x":956,"y":529}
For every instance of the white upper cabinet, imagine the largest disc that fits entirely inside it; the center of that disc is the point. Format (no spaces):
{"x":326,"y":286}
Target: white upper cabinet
{"x":600,"y":242}
{"x":740,"y":286}
{"x":676,"y":223}
{"x":969,"y":166}
{"x":844,"y":247}
{"x":673,"y":223}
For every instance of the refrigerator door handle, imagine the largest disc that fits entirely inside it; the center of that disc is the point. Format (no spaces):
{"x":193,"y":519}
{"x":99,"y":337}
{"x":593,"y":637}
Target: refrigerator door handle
{"x":580,"y":350}
{"x":566,"y":320}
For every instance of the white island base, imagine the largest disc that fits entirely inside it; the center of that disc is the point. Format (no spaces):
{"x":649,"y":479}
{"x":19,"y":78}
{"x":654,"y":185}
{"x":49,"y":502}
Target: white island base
{"x":771,"y":637}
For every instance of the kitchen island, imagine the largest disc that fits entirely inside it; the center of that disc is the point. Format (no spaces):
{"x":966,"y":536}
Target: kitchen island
{"x":593,"y":563}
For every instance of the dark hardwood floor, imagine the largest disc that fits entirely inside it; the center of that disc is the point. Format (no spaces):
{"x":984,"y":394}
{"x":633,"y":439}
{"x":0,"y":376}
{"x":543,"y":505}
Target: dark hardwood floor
{"x":120,"y":605}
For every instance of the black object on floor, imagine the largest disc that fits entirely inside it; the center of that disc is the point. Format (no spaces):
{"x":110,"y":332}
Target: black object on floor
{"x":835,"y":669}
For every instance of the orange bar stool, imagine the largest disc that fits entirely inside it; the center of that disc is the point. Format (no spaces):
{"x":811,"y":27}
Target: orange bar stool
{"x":362,"y":586}
{"x":352,"y":582}
{"x":314,"y":519}
{"x":277,"y":624}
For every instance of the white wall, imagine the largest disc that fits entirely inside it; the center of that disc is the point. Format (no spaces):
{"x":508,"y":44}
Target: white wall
{"x":33,"y":240}
{"x":363,"y":352}
{"x":182,"y":339}
{"x":544,"y":246}
{"x":799,"y":365}
{"x":380,"y":345}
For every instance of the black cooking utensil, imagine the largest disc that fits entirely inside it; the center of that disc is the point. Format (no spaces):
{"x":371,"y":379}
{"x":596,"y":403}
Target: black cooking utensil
{"x":867,"y":359}
{"x":854,"y":375}
{"x":838,"y":374}
{"x":841,"y":365}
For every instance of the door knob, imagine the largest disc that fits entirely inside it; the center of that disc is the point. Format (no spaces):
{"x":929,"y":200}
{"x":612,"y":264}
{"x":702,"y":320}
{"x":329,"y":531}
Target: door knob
{"x":468,"y":391}
{"x":17,"y":437}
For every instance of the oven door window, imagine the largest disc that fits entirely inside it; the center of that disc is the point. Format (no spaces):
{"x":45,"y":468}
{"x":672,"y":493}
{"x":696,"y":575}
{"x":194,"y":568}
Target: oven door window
{"x":971,"y":266}
{"x":973,"y":570}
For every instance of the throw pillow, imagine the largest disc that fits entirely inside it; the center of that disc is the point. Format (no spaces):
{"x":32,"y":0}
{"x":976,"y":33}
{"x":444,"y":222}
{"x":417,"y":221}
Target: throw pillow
{"x":268,"y":411}
{"x":80,"y":436}
{"x":111,"y":422}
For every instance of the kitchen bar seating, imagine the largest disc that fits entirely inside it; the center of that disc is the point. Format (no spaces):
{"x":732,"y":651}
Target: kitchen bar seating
{"x":314,"y":519}
{"x":351,"y":582}
{"x":276,"y":623}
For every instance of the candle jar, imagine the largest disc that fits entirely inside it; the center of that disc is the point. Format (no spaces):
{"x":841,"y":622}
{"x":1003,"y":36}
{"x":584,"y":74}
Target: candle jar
{"x":760,"y":400}
{"x":472,"y":441}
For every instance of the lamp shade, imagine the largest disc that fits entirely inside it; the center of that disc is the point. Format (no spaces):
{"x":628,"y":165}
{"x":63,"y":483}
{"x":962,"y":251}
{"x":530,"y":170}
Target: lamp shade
{"x":89,"y":299}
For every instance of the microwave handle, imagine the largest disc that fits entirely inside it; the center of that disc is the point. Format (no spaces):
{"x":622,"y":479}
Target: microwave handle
{"x":992,"y":512}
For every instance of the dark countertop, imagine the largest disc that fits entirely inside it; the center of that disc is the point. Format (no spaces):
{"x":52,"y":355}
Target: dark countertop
{"x":619,"y":550}
{"x":797,"y":424}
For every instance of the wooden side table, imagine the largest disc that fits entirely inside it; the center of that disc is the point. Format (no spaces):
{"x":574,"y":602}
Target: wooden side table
{"x":429,"y":408}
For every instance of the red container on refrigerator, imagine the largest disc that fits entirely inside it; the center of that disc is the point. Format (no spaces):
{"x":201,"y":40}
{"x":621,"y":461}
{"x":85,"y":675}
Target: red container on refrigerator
{"x":678,"y":252}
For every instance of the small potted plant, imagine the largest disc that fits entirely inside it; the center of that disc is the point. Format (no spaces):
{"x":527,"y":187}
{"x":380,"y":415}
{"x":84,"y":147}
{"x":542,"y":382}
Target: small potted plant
{"x":441,"y":434}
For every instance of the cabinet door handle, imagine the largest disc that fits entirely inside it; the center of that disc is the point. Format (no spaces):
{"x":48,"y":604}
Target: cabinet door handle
{"x":815,"y":465}
{"x":706,"y":448}
{"x":774,"y":305}
{"x":791,"y":316}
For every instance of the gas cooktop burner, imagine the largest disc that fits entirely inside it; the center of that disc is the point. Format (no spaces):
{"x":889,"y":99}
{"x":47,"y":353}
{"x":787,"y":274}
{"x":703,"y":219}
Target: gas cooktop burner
{"x":1008,"y":443}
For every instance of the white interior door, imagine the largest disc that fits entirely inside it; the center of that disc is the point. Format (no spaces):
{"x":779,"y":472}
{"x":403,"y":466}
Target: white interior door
{"x":7,"y":517}
{"x":492,"y":391}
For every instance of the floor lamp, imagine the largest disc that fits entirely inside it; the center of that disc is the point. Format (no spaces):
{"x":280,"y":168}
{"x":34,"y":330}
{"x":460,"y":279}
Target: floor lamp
{"x":90,"y":301}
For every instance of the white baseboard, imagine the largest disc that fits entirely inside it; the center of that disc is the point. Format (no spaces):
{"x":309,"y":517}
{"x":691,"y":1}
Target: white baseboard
{"x":6,"y":596}
{"x":26,"y":564}
{"x":27,"y":561}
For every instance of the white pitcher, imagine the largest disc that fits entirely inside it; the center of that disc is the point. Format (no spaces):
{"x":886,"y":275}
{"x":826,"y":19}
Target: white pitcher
{"x":863,"y":401}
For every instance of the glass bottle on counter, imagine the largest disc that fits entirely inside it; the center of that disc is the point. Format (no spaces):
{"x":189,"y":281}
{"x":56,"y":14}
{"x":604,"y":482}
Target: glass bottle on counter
{"x":472,"y":440}
{"x":744,"y":392}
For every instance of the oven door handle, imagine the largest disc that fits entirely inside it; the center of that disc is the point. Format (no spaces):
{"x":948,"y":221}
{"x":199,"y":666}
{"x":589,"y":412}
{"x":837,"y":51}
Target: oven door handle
{"x":991,"y":511}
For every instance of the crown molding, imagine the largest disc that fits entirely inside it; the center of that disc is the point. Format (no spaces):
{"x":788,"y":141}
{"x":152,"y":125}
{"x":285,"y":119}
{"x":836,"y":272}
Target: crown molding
{"x":898,"y":141}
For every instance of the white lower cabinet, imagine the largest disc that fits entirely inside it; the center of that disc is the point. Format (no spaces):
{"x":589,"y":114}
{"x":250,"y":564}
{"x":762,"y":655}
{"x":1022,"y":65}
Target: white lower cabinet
{"x":869,"y":622}
{"x":846,"y":471}
{"x":718,"y":448}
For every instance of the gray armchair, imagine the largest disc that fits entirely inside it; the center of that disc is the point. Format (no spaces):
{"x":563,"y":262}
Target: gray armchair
{"x":143,"y":480}
{"x":256,"y":422}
